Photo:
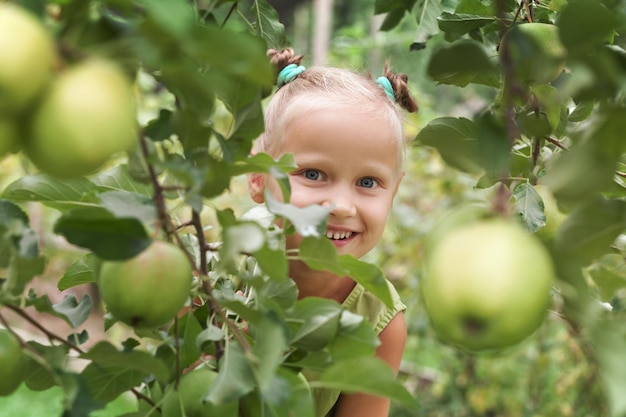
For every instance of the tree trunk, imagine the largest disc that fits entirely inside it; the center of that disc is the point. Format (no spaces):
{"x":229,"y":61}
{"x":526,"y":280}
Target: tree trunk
{"x":322,"y":17}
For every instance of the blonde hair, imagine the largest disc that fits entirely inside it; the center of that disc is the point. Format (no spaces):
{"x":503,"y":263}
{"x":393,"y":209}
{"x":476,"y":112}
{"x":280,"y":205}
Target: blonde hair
{"x":331,"y":89}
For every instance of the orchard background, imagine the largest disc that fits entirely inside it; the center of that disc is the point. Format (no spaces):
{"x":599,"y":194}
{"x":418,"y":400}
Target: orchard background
{"x":486,"y":131}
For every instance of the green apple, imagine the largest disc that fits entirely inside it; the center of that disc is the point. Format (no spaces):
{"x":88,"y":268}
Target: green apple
{"x":486,"y":285}
{"x":27,"y":57}
{"x":11,"y":363}
{"x":149,"y":289}
{"x":536,"y":52}
{"x":8,"y":136}
{"x":86,"y":117}
{"x":188,"y":399}
{"x":554,"y":216}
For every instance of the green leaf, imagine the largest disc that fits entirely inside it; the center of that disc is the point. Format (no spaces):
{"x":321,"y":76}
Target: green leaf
{"x":368,"y":275}
{"x":386,"y":6}
{"x":589,"y":231}
{"x":355,"y":375}
{"x":308,"y":221}
{"x":99,"y":231}
{"x":320,"y":254}
{"x":119,"y":178}
{"x":188,"y":331}
{"x":355,"y":338}
{"x":589,"y":167}
{"x":609,"y":345}
{"x":238,"y":239}
{"x":160,"y":128}
{"x":460,"y":63}
{"x":110,"y":369}
{"x":82,"y":271}
{"x":609,"y":274}
{"x":262,"y":162}
{"x":460,"y":24}
{"x":69,"y":309}
{"x":455,"y":140}
{"x":235,"y":378}
{"x":273,"y":262}
{"x":585,"y":25}
{"x":529,"y":206}
{"x":269,"y":347}
{"x":50,"y":191}
{"x":267,"y":24}
{"x":314,"y":322}
{"x":130,"y":205}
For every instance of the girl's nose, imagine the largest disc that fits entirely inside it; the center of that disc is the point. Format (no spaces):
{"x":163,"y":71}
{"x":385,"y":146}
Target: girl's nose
{"x":342,"y":203}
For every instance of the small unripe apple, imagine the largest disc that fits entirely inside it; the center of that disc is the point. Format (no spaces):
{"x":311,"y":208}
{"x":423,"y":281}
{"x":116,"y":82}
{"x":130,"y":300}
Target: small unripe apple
{"x":11,"y":363}
{"x":86,"y":117}
{"x":536,"y":52}
{"x":487,"y":285}
{"x":149,"y":289}
{"x":27,"y":58}
{"x":188,"y":399}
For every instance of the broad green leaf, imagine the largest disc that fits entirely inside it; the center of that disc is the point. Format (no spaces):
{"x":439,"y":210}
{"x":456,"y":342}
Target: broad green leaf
{"x":368,"y":275}
{"x":460,"y":24}
{"x":320,"y":254}
{"x":104,"y":353}
{"x":355,"y":338}
{"x":589,"y":167}
{"x":119,"y":178}
{"x":455,"y":140}
{"x":585,"y":25}
{"x":126,"y":204}
{"x":426,"y":13}
{"x":609,"y":274}
{"x":243,"y":238}
{"x":460,"y":63}
{"x":589,"y":231}
{"x":188,"y":331}
{"x":79,"y":400}
{"x":271,"y":337}
{"x":235,"y":378}
{"x":108,"y":237}
{"x":308,"y":221}
{"x":262,"y":162}
{"x":173,"y":16}
{"x":550,"y":101}
{"x":69,"y":309}
{"x":272,"y":262}
{"x":50,"y":191}
{"x":609,"y":345}
{"x":82,"y":271}
{"x":11,"y":213}
{"x":23,"y":270}
{"x":529,"y":206}
{"x":160,"y":128}
{"x":386,"y":6}
{"x":314,"y":322}
{"x":43,"y":368}
{"x":268,"y":25}
{"x":355,"y":375}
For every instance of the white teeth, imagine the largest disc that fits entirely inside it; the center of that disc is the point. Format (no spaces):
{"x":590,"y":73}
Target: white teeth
{"x":338,"y":235}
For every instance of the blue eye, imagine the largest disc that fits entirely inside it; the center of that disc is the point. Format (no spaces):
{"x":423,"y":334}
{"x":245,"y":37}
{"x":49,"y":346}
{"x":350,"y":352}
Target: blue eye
{"x":367,"y":182}
{"x":312,"y":174}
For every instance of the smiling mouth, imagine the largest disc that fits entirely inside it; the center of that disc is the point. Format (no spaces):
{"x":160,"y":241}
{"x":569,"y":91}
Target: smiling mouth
{"x":338,"y":235}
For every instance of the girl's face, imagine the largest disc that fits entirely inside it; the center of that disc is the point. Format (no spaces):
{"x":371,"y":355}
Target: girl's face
{"x":346,"y":161}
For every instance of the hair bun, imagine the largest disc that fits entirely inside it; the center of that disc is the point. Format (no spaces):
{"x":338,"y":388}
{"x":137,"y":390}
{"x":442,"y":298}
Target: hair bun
{"x":399,"y":83}
{"x":283,"y":57}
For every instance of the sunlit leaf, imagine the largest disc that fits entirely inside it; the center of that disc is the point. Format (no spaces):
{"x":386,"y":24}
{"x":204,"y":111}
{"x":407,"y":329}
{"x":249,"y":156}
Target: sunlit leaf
{"x":529,"y":206}
{"x":82,"y":271}
{"x":354,"y":375}
{"x":235,"y":378}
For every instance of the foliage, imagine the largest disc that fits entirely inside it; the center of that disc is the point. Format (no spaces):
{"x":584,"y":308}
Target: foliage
{"x":563,"y":134}
{"x":204,"y":64}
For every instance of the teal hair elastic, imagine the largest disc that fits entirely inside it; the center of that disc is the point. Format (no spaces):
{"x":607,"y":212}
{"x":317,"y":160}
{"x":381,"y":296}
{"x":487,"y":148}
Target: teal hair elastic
{"x":386,"y":85}
{"x":288,"y":74}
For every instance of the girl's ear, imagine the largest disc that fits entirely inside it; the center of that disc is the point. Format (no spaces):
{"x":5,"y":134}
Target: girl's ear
{"x":256,"y":187}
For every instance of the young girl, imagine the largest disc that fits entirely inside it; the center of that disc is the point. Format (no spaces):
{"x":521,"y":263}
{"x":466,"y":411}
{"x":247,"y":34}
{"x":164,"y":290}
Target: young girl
{"x":345,"y":132}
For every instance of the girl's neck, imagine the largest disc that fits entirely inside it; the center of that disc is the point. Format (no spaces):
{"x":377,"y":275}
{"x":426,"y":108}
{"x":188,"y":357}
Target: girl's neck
{"x":322,"y":284}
